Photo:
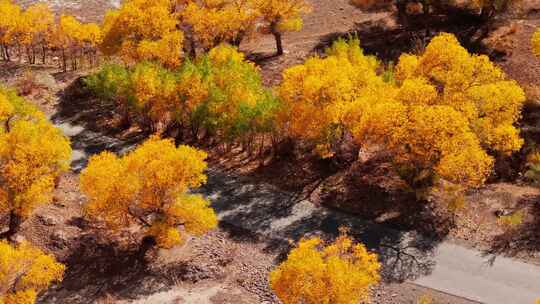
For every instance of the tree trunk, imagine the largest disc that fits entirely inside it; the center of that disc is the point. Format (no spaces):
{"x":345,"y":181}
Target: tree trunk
{"x":43,"y":54}
{"x":148,"y":242}
{"x":64,"y":61}
{"x":15,"y":222}
{"x":402,"y":15}
{"x":279,"y":42}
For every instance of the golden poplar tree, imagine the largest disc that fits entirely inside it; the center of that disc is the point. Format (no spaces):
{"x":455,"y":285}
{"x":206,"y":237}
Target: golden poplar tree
{"x":442,"y":114}
{"x":33,"y":154}
{"x":317,"y":273}
{"x":25,"y":271}
{"x":155,"y":95}
{"x":217,"y":21}
{"x":144,"y":30}
{"x":11,"y":15}
{"x":150,"y":187}
{"x":316,"y":95}
{"x":35,"y":24}
{"x":449,"y":110}
{"x":282,"y":16}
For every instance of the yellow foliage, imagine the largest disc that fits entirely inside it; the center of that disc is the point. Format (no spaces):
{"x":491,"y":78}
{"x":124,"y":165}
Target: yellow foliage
{"x":473,"y":86}
{"x":536,"y":43}
{"x":439,"y":114}
{"x":317,"y":94}
{"x":425,"y":299}
{"x":155,"y":93}
{"x":283,"y":15}
{"x":513,"y":220}
{"x":217,"y":21}
{"x":336,"y":273}
{"x":33,"y":153}
{"x":11,"y":15}
{"x":24,"y":272}
{"x":32,"y":156}
{"x":143,"y":30}
{"x":149,"y":186}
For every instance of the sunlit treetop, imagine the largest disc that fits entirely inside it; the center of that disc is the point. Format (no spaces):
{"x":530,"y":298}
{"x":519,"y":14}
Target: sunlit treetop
{"x":317,"y":94}
{"x":14,"y":107}
{"x":217,"y":21}
{"x":224,"y":93}
{"x":473,"y":86}
{"x":11,"y":14}
{"x":25,"y":271}
{"x":35,"y":23}
{"x":143,"y":30}
{"x":314,"y":272}
{"x":283,"y":15}
{"x":71,"y":33}
{"x":149,"y":187}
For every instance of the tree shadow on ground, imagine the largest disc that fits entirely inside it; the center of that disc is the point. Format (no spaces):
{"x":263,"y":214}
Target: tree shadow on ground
{"x":388,"y":43}
{"x":522,"y":240}
{"x":254,"y":211}
{"x":90,"y":124}
{"x":99,"y":267}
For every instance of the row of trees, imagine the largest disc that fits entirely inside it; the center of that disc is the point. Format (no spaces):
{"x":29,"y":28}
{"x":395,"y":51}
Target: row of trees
{"x":219,"y":94}
{"x":149,"y":187}
{"x":444,"y":114}
{"x":162,"y":30}
{"x":167,"y":30}
{"x":33,"y":154}
{"x":35,"y":32}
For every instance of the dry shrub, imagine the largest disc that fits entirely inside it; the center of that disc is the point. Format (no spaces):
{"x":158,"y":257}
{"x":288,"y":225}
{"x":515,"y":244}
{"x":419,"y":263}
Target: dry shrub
{"x":27,"y":84}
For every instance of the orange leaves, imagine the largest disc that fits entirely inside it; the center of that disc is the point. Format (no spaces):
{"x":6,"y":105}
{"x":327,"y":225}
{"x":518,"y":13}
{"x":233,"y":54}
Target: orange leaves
{"x":337,"y":273}
{"x":439,"y":115}
{"x":149,"y":187}
{"x":317,"y":95}
{"x":284,"y":15}
{"x":24,"y":272}
{"x":32,"y":154}
{"x":143,"y":30}
{"x":215,"y":22}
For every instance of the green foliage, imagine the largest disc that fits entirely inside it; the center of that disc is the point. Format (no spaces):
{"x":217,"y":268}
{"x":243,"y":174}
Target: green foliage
{"x":111,"y":81}
{"x":220,"y":92}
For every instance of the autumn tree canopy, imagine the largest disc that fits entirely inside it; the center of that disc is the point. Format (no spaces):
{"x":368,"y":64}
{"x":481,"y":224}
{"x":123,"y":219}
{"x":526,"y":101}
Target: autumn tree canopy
{"x":25,"y":271}
{"x":150,"y":187}
{"x":33,"y":153}
{"x":316,"y":95}
{"x":224,"y":94}
{"x":314,"y":272}
{"x":219,"y":92}
{"x":282,"y":16}
{"x":144,"y":30}
{"x":442,"y":114}
{"x":223,"y":21}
